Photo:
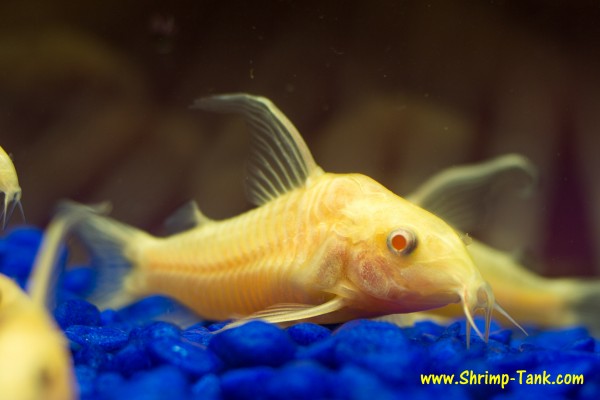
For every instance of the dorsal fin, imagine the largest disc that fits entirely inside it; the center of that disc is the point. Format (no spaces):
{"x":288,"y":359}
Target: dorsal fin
{"x":460,"y":195}
{"x":280,"y":159}
{"x":186,"y":217}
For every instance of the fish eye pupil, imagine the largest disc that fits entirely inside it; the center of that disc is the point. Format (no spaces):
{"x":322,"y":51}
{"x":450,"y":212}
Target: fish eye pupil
{"x":402,"y":241}
{"x":399,"y":242}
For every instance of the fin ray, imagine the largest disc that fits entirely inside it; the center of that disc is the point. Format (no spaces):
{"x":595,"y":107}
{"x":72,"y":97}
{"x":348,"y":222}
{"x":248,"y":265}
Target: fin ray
{"x":41,"y":284}
{"x":280,"y":159}
{"x":458,"y":194}
{"x":110,"y":243}
{"x":288,"y":312}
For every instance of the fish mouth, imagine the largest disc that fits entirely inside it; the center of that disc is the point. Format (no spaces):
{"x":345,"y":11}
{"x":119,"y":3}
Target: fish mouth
{"x":482,"y":298}
{"x":473,"y":300}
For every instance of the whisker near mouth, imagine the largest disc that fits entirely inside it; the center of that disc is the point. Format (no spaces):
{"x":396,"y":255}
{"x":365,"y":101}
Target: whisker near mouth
{"x":471,"y":324}
{"x":484,"y":300}
{"x":508,"y":317}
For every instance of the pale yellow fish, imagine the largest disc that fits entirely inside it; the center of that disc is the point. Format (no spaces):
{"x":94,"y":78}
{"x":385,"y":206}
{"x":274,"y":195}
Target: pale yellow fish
{"x":35,"y":361}
{"x":321,"y":247}
{"x":9,"y":187}
{"x":459,"y":196}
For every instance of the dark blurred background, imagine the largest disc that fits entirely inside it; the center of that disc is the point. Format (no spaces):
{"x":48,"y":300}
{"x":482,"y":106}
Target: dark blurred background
{"x":94,"y":103}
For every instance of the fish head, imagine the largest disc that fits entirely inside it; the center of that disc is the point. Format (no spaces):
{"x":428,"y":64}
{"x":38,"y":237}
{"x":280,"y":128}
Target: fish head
{"x":402,"y":258}
{"x":34,"y":356}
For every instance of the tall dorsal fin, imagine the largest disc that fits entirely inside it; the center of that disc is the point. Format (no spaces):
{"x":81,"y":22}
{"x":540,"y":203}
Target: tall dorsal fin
{"x":280,"y":159}
{"x":460,"y":195}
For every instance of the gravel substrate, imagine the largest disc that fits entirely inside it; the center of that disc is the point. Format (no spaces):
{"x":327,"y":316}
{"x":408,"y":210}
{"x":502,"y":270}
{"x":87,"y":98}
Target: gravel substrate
{"x":132,"y":354}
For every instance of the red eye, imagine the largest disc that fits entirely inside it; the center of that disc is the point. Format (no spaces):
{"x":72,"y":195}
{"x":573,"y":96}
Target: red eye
{"x":399,"y":242}
{"x":402,"y":241}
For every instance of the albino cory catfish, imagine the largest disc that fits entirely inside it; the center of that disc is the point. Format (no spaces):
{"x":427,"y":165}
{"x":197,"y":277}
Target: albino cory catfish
{"x":35,"y":362}
{"x":321,"y":247}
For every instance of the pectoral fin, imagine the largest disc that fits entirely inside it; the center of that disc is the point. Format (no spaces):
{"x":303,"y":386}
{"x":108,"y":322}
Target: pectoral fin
{"x":288,"y":312}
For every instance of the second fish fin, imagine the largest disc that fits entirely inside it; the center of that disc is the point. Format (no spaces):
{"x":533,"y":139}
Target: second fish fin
{"x":186,"y":217}
{"x":461,"y":195}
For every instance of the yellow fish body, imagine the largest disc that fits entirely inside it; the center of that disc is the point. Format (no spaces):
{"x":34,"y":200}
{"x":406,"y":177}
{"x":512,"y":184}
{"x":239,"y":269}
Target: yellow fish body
{"x":34,"y":356}
{"x":322,"y":247}
{"x":35,"y":361}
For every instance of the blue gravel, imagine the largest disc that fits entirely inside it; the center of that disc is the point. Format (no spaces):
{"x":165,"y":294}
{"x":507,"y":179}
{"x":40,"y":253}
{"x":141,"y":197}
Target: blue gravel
{"x":253,"y":344}
{"x":132,"y":354}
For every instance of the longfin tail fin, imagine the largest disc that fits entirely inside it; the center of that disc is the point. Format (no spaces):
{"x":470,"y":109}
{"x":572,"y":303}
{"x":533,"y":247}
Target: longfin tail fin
{"x":113,"y":247}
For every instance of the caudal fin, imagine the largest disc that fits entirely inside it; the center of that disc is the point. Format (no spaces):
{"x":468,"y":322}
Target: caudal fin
{"x":113,"y":247}
{"x":41,"y":284}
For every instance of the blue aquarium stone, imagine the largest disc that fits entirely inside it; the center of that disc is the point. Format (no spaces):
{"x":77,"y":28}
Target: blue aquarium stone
{"x":22,"y":245}
{"x":132,"y":358}
{"x":217,"y":326}
{"x":17,"y":265}
{"x":107,"y":385}
{"x":198,"y":334}
{"x":160,"y":383}
{"x":107,"y":338}
{"x":154,"y":308}
{"x":502,"y":336}
{"x":306,"y":333}
{"x":556,"y":338}
{"x":586,"y":344}
{"x":425,"y":331}
{"x":189,"y":357}
{"x":24,"y":237}
{"x":110,"y":317}
{"x":322,"y":351}
{"x":301,"y":380}
{"x":246,"y":383}
{"x":76,"y":312}
{"x":207,"y":388}
{"x":90,"y":355}
{"x":155,"y":330}
{"x":86,"y":380}
{"x":254,"y":343}
{"x":4,"y":249}
{"x":353,"y":382}
{"x":78,"y":280}
{"x":380,"y":347}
